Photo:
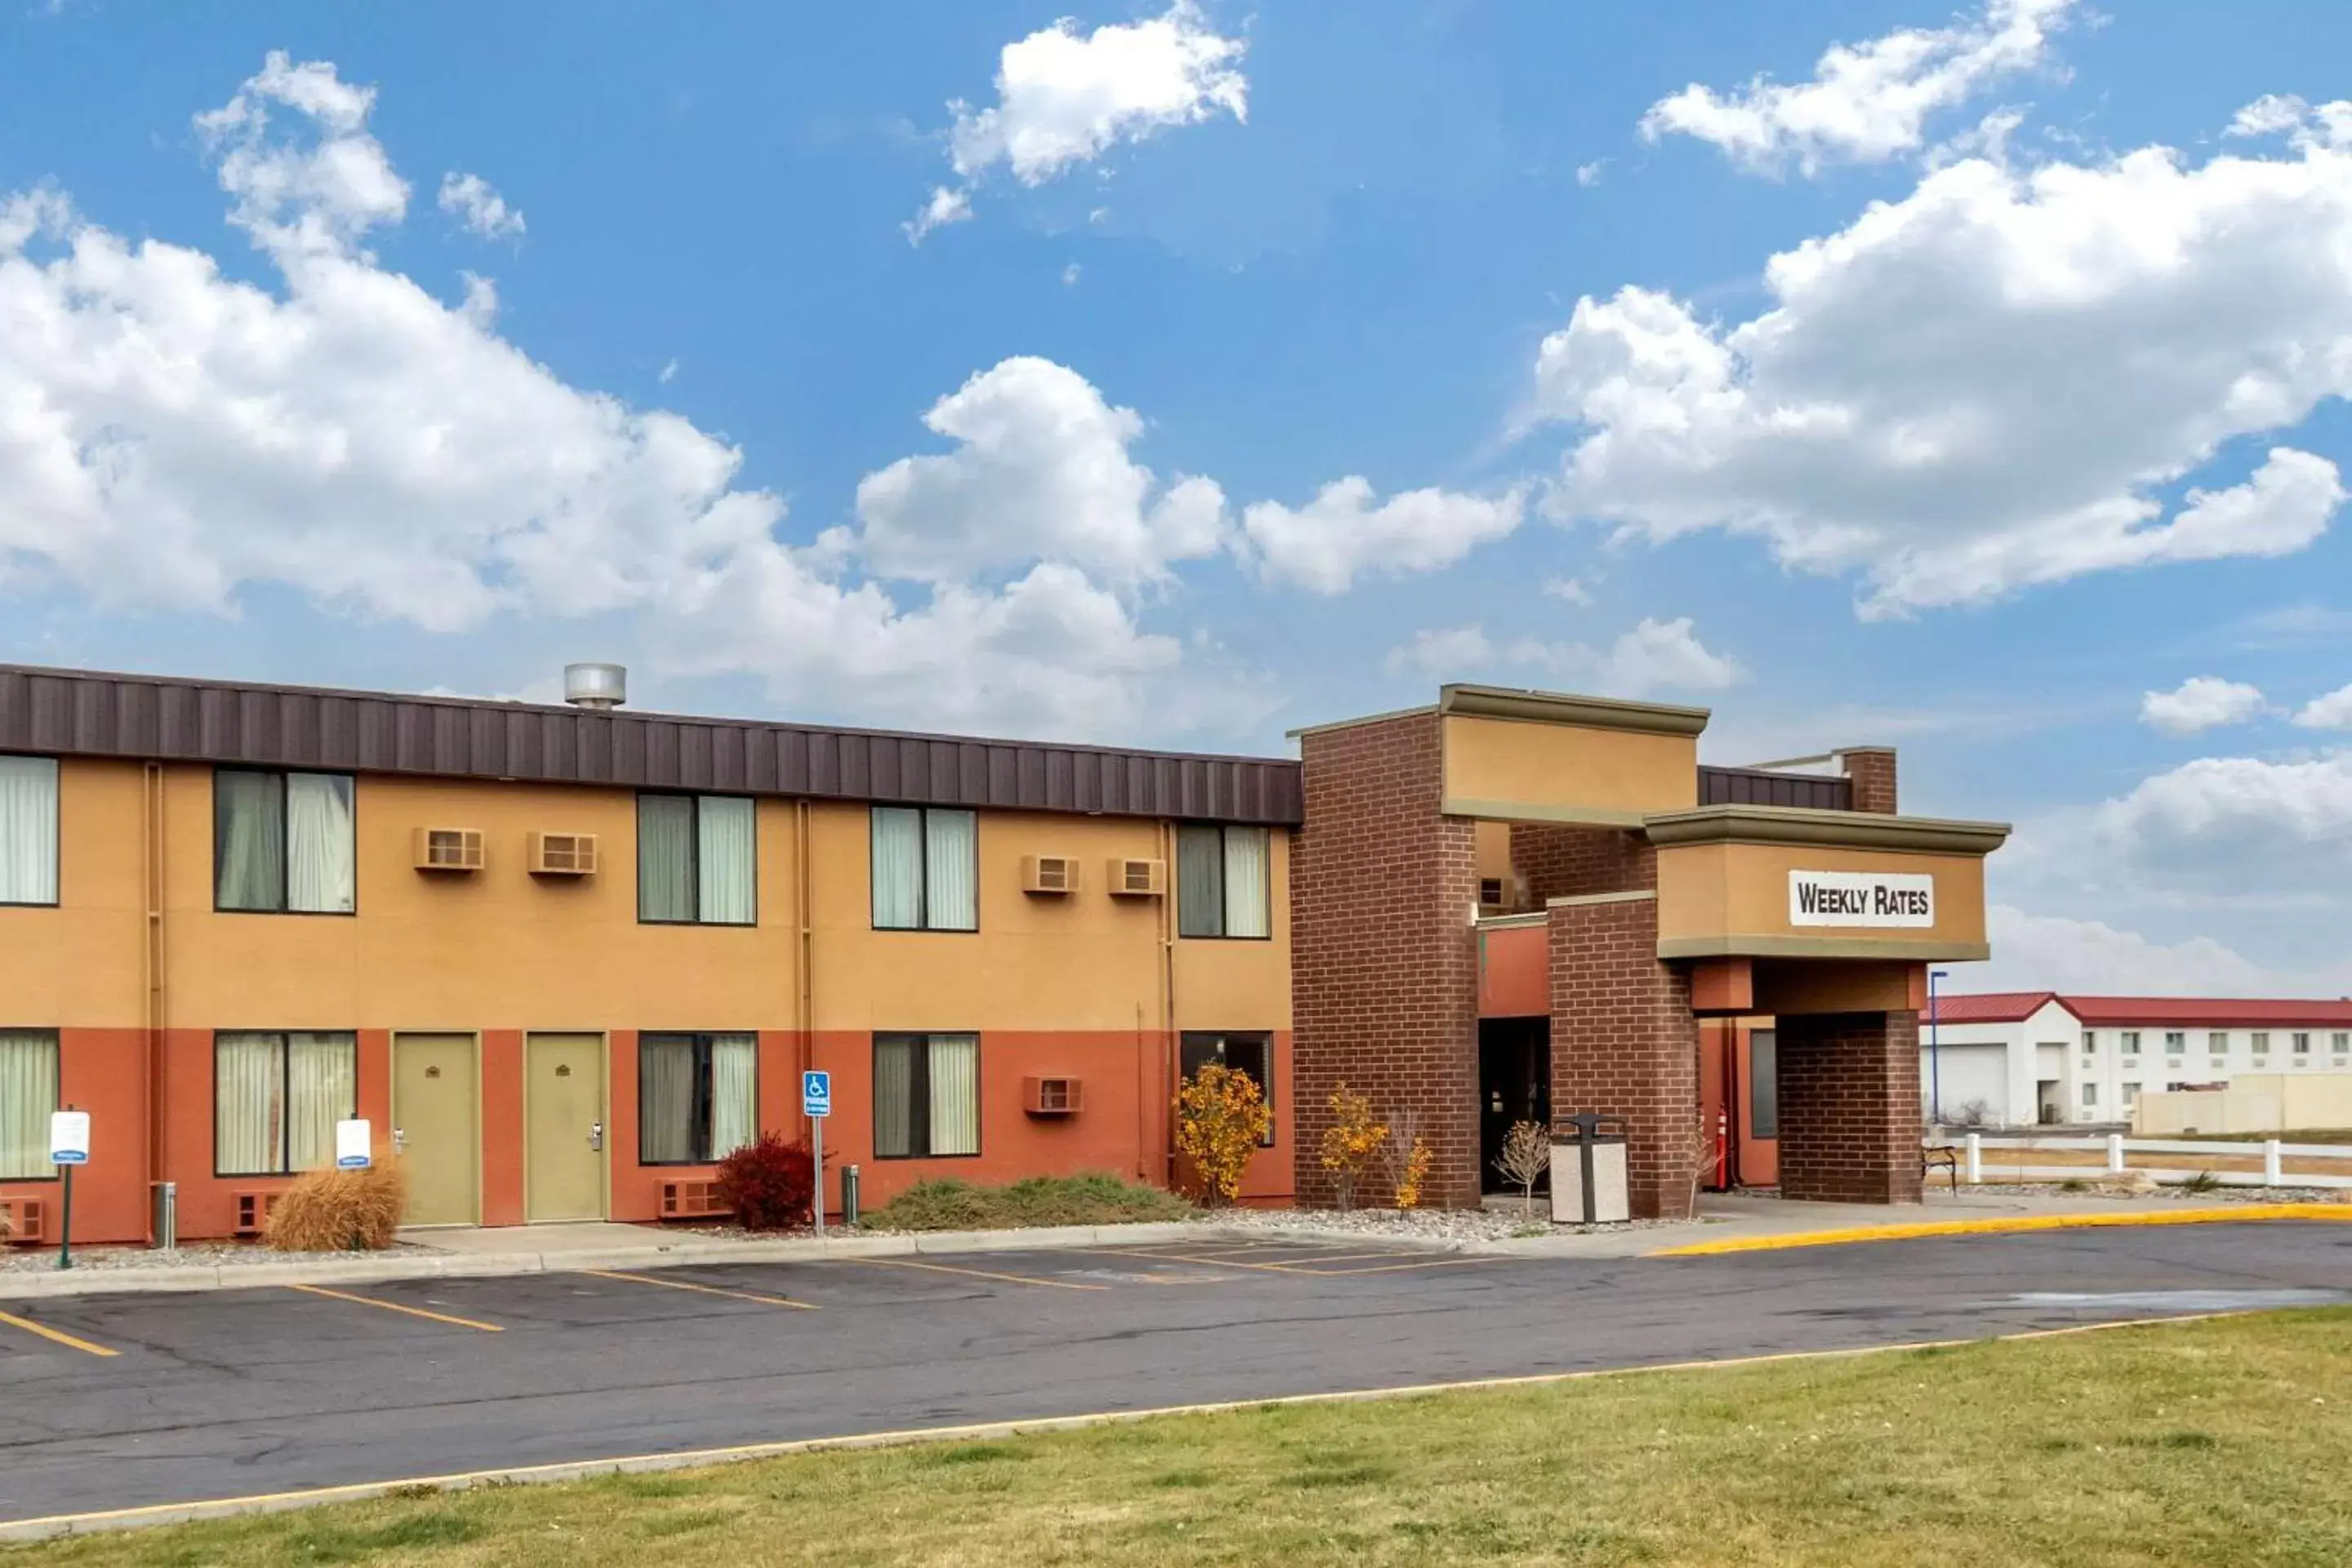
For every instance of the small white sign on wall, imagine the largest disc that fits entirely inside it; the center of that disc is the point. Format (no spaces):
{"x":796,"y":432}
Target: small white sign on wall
{"x":1862,"y":899}
{"x":355,"y":1150}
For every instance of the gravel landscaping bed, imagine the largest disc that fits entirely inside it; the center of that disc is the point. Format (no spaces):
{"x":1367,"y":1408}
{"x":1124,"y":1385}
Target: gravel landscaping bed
{"x":1418,"y":1224}
{"x":2092,"y":1187}
{"x":197,"y":1254}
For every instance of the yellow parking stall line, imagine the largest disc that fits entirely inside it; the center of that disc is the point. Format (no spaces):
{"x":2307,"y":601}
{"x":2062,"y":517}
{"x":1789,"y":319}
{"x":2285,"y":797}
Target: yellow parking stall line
{"x":976,"y":1273}
{"x":705,"y":1289}
{"x":396,"y":1307}
{"x":58,"y":1335}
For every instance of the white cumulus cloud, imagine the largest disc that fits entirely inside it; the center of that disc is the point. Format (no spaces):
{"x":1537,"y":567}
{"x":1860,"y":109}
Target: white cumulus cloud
{"x":469,"y":199}
{"x":1347,"y":532}
{"x":1867,"y":103}
{"x":1988,"y":383}
{"x":2060,"y":953}
{"x":2332,"y":711}
{"x":2201,"y":702}
{"x":946,"y":206}
{"x":1653,"y":657}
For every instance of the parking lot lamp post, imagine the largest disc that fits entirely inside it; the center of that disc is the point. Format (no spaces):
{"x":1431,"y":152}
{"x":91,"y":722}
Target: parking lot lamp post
{"x":1935,"y":1050}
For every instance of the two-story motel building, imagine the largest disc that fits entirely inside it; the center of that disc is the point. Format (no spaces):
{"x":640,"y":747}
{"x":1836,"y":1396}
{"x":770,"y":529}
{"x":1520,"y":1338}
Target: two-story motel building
{"x":565,"y":958}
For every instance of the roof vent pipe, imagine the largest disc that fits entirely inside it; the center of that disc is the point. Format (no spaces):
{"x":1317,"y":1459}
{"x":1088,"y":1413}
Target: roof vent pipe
{"x":595,"y":685}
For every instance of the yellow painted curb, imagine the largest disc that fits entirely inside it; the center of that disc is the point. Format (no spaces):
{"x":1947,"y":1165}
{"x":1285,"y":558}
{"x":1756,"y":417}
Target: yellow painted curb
{"x":2010,"y":1224}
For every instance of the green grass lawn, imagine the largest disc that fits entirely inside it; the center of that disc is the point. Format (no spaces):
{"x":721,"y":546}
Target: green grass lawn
{"x":2223,"y":1442}
{"x":1090,"y":1199}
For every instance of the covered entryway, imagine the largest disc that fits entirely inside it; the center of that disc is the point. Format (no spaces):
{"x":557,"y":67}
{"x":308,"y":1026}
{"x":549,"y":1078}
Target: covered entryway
{"x":563,"y":1128}
{"x":1514,"y":1086}
{"x":437,"y":1125}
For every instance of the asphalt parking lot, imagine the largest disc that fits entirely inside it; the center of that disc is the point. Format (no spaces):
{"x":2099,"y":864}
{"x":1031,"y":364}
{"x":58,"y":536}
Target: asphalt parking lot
{"x":120,"y":1402}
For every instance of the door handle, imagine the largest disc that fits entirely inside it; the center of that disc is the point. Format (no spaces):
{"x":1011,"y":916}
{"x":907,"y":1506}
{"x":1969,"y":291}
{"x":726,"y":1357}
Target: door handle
{"x":399,"y":1141}
{"x":597,"y":1135}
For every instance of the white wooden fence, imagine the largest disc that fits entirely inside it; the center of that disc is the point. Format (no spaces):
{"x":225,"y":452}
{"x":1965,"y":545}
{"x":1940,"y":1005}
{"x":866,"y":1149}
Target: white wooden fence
{"x":2119,"y":1149}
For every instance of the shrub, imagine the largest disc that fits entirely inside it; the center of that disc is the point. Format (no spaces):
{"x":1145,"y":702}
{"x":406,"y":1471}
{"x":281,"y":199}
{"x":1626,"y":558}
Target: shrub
{"x":770,"y":1185}
{"x":1221,"y":1120}
{"x":340,"y":1211}
{"x":1352,"y":1141}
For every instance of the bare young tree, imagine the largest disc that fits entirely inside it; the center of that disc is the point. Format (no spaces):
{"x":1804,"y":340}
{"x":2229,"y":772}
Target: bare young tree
{"x":1526,"y":1156}
{"x":1394,"y":1162}
{"x":1705,"y":1154}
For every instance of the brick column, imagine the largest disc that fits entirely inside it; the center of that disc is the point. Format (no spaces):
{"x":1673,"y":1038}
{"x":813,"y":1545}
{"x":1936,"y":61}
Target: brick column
{"x":1384,"y":960}
{"x":1850,"y":1115}
{"x":1623,"y":1041}
{"x":1871,"y":770}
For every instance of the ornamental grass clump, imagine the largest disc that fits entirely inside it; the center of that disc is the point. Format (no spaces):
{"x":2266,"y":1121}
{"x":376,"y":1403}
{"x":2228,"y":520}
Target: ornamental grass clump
{"x":340,"y":1211}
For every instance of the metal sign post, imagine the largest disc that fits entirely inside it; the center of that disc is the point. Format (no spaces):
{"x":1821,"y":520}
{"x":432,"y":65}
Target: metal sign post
{"x":816,"y":1104}
{"x":69,"y":1147}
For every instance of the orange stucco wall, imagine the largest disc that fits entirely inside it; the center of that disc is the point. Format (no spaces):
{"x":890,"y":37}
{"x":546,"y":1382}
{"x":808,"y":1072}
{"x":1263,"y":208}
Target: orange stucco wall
{"x":1515,"y":971}
{"x":1083,"y":984}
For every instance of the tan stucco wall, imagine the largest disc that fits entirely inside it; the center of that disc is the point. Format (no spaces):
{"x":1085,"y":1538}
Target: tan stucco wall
{"x":1734,"y":898}
{"x":1522,"y":771}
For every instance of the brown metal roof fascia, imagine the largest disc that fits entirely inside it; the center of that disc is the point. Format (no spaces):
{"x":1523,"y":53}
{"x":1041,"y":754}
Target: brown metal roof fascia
{"x":1566,"y":708}
{"x":1830,"y":829}
{"x":1762,"y":787}
{"x":164,"y":719}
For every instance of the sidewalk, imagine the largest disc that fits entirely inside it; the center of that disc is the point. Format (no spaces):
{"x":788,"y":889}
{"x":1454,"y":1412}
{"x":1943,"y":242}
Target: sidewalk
{"x":1727,"y":1223}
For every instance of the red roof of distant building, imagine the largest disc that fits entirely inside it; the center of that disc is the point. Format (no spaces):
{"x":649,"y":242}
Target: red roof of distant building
{"x":1991,"y":1007}
{"x":2210,"y":1012}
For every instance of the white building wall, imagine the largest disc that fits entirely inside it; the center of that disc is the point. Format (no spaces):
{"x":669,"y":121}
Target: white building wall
{"x":2172,"y":1055}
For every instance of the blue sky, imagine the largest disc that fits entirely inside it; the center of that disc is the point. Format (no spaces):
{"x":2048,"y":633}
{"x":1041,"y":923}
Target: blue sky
{"x":1281,"y":361}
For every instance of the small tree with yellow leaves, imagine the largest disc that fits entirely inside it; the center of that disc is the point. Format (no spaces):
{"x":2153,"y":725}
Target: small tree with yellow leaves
{"x":1406,"y":1158}
{"x":1221,"y":1120}
{"x":1352,"y":1142}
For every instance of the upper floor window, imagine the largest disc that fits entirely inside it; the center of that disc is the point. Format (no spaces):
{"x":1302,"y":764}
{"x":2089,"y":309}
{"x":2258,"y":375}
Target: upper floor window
{"x":2130,"y":1042}
{"x":1221,"y":882}
{"x":2217,"y":1041}
{"x":28,"y":831}
{"x":2091,"y":1041}
{"x":697,"y":860}
{"x":277,"y":1098}
{"x":28,"y":1093}
{"x":926,"y":869}
{"x":2261,"y":1041}
{"x":697,"y":1097}
{"x":282,"y":843}
{"x":2341,"y":1042}
{"x":2302,"y":1044}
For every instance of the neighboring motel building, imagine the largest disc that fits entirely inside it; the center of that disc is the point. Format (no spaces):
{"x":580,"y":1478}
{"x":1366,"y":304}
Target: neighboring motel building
{"x":2052,"y":1056}
{"x":567,"y":957}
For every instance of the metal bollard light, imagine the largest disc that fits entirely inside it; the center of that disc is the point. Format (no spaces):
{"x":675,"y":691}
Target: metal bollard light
{"x":849,"y":1197}
{"x":167,"y":1216}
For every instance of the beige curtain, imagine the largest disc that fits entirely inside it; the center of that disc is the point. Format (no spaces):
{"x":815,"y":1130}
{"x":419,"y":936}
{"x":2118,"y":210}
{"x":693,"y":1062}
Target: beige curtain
{"x":734,"y":1092}
{"x":729,"y":860}
{"x":249,"y":1104}
{"x":28,"y":830}
{"x":951,"y":870}
{"x":248,"y":840}
{"x":319,"y":870}
{"x":666,"y":1100}
{"x":898,"y":868}
{"x":955,"y":1094}
{"x":1245,"y":894}
{"x":664,"y":857}
{"x":1199,"y":882}
{"x":28,"y":1093}
{"x":322,"y":1088}
{"x":894,"y":1098}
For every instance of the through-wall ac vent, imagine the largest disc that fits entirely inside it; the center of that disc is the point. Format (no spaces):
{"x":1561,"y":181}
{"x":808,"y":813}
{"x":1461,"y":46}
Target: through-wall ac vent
{"x":1048,"y":874}
{"x":1138,"y":878}
{"x":449,"y":849}
{"x":563,"y":854}
{"x":1050,"y":1096}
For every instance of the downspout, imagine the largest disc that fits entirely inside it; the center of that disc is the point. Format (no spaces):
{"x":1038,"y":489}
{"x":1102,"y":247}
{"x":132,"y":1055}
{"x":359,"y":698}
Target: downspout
{"x":151,"y":1096}
{"x":1168,"y":1054}
{"x":804,"y":884}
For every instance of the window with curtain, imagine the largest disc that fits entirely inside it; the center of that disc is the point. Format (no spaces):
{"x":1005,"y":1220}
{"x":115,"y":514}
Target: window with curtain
{"x":28,"y":830}
{"x":1251,"y":1055}
{"x":28,"y":1093}
{"x":926,"y":1096}
{"x":697,"y":1097}
{"x":282,"y":843}
{"x":697,"y":860}
{"x":1222,"y":882}
{"x":277,"y":1097}
{"x":926,"y":869}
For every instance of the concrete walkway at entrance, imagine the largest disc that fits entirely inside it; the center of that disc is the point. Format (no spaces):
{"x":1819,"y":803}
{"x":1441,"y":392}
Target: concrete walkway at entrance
{"x":1727,"y":1223}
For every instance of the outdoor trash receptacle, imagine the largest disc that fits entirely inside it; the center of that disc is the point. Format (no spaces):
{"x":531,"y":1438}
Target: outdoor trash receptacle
{"x":1587,"y":1170}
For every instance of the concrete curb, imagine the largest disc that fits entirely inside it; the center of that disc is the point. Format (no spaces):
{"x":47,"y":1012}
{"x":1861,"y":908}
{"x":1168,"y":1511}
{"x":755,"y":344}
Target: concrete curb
{"x":36,"y":1286}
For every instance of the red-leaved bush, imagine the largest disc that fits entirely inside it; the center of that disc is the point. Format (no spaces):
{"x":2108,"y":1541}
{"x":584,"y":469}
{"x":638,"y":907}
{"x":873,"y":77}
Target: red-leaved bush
{"x":768,"y":1183}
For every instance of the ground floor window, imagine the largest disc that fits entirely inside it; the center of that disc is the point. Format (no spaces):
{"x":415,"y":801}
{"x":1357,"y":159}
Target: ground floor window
{"x":1251,"y":1055}
{"x":697,"y":1097}
{"x":926,"y":1096}
{"x":1763,"y":1083}
{"x":28,"y":1093}
{"x":277,"y":1097}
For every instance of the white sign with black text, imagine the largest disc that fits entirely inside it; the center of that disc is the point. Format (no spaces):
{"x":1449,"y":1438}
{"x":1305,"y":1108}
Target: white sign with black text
{"x":1862,"y":899}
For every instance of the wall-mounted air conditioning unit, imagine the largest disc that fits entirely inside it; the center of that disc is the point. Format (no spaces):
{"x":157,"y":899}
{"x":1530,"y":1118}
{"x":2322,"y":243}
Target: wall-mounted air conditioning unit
{"x":692,"y":1200}
{"x":449,"y":849}
{"x":1050,"y":1096}
{"x":563,"y":854}
{"x":1138,"y":878}
{"x":253,"y":1210}
{"x":1048,"y":874}
{"x":28,"y":1220}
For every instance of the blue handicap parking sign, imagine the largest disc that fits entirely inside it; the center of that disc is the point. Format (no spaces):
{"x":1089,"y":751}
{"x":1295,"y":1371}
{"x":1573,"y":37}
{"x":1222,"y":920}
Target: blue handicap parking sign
{"x":816,"y":1094}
